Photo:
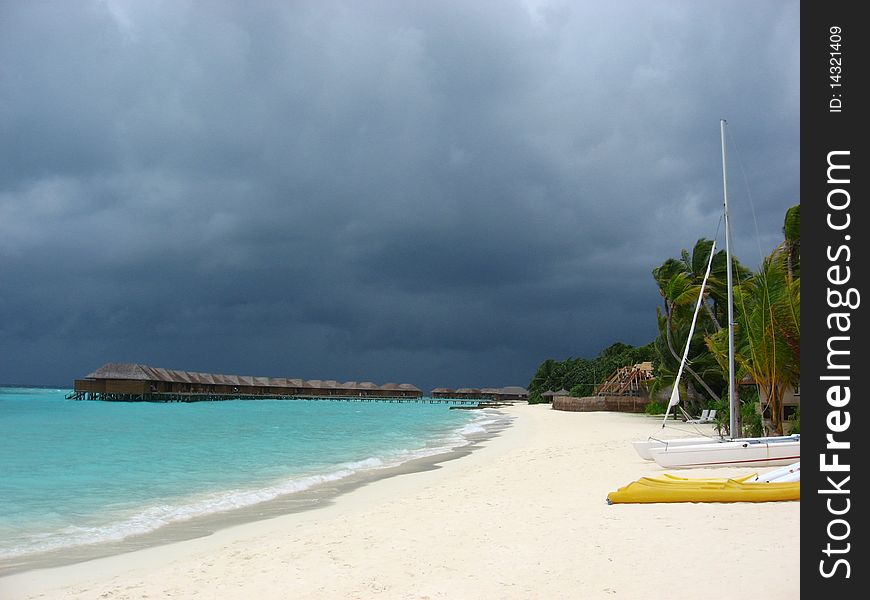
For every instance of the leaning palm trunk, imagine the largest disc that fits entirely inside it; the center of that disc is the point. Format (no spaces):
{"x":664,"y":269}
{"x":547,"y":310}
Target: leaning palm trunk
{"x":775,"y":400}
{"x":670,"y":341}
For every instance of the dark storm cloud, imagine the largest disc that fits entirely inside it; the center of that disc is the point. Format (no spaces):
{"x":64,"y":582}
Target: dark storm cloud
{"x":441,"y":193}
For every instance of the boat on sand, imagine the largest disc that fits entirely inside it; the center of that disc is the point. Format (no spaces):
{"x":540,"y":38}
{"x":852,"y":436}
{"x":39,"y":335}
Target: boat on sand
{"x":775,"y":486}
{"x":652,"y":490}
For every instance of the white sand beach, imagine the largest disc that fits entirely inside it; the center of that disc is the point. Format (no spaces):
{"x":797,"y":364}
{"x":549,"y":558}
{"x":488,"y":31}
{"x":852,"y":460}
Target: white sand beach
{"x":522,"y":517}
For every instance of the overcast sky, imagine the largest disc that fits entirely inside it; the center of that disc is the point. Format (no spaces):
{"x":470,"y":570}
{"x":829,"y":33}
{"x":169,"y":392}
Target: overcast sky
{"x":439,"y":193}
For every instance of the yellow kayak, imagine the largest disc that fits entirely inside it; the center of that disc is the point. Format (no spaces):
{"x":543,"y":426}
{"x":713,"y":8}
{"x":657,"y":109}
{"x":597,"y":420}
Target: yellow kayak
{"x":678,"y":489}
{"x":668,"y":478}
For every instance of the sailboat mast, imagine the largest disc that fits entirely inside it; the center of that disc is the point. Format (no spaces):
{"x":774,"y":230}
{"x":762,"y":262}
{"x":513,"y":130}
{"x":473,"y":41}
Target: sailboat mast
{"x":733,"y":402}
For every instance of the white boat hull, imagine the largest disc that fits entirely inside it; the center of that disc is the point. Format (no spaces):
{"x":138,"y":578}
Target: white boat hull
{"x":781,"y":475}
{"x":748,"y":452}
{"x":645,"y":448}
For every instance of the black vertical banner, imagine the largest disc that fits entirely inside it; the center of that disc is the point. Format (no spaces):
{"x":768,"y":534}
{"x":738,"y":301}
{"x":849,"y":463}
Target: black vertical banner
{"x":834,"y":232}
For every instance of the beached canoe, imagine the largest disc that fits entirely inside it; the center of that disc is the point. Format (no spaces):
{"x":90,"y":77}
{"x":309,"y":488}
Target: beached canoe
{"x":671,"y":489}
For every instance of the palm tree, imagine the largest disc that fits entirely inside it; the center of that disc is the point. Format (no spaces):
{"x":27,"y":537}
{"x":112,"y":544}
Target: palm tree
{"x":679,"y":282}
{"x":767,"y":333}
{"x":790,"y":248}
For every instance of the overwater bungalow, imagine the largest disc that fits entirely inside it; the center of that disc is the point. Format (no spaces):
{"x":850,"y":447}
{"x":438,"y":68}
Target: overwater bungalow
{"x":502,"y":394}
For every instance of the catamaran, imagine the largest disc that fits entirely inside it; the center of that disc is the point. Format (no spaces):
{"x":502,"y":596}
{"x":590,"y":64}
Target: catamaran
{"x":721,"y":451}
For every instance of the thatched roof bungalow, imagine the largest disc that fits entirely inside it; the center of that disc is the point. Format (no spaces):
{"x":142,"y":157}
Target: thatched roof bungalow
{"x":503,"y":394}
{"x":513,"y":392}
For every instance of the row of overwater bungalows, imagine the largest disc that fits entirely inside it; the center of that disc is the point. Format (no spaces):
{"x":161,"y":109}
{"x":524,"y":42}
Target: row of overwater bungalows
{"x":127,"y":381}
{"x":503,"y":394}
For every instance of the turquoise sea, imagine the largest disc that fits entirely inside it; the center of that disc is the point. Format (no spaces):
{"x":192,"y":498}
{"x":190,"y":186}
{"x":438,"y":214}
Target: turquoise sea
{"x":75,"y":473}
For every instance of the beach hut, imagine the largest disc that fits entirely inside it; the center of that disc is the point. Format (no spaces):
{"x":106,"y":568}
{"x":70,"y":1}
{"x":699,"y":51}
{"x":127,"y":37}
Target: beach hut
{"x":513,"y":392}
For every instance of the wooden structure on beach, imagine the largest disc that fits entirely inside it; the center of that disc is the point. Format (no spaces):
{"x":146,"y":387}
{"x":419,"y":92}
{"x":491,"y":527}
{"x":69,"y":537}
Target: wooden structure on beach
{"x":600,"y":403}
{"x":503,"y":394}
{"x":628,"y":381}
{"x":624,"y":391}
{"x":127,"y":382}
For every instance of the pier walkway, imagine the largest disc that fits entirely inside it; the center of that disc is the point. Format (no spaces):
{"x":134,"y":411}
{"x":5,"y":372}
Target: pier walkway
{"x":206,"y":397}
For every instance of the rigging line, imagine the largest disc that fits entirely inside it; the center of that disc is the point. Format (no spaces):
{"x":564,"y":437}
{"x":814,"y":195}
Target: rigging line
{"x":697,"y":430}
{"x":764,"y":276}
{"x":749,"y":194}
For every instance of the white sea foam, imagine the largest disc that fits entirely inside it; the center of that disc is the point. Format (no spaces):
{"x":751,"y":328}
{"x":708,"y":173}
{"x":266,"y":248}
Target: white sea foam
{"x":472,"y":428}
{"x":160,"y":515}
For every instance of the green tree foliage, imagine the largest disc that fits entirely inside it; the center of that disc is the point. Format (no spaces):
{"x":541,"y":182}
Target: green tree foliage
{"x":679,"y":282}
{"x":766,"y":333}
{"x":790,"y":249}
{"x":767,"y":323}
{"x":580,"y":376}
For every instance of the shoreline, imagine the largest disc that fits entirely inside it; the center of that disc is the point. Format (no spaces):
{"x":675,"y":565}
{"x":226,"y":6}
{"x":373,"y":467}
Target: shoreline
{"x":313,"y":498}
{"x":524,"y":515}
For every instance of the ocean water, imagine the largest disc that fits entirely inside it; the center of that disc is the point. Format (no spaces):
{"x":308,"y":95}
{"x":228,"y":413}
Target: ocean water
{"x":76,"y":473}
